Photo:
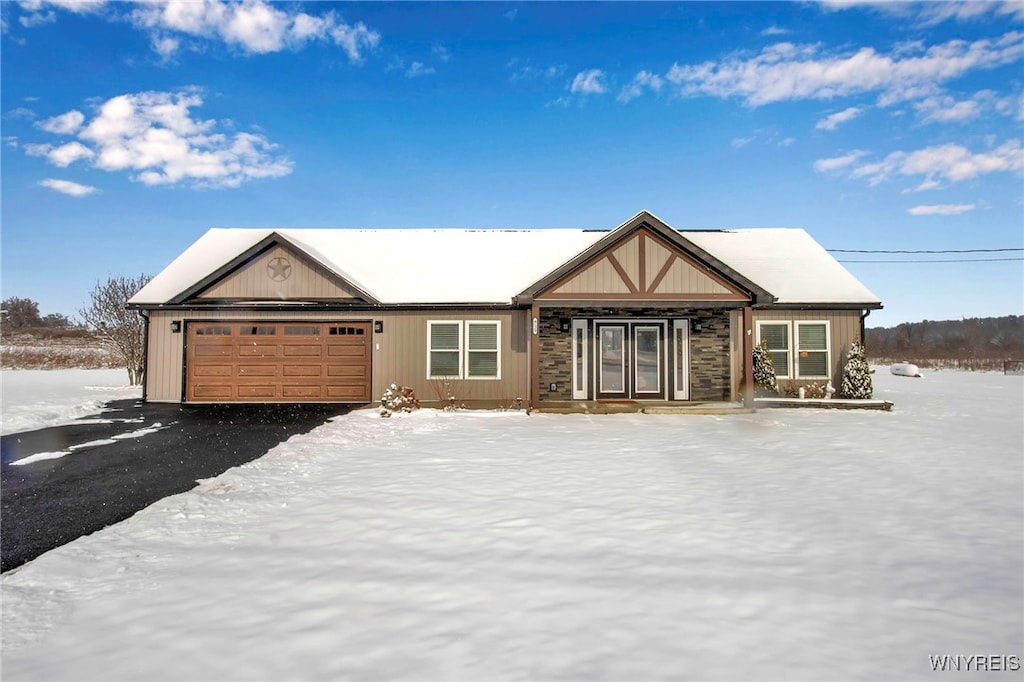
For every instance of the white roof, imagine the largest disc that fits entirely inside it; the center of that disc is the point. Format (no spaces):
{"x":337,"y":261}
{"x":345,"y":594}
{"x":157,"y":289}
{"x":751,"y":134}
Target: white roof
{"x":425,"y":266}
{"x":786,"y":262}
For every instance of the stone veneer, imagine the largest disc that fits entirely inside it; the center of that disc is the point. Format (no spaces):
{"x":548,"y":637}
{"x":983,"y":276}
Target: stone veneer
{"x":709,"y":348}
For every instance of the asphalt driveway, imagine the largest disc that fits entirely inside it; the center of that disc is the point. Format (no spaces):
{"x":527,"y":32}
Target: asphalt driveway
{"x":125,"y":459}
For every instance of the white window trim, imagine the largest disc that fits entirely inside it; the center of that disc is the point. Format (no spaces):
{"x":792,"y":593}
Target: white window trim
{"x":580,"y":376}
{"x":795,"y":341}
{"x":790,"y":369}
{"x":681,"y":350}
{"x":430,"y":324}
{"x":467,"y":351}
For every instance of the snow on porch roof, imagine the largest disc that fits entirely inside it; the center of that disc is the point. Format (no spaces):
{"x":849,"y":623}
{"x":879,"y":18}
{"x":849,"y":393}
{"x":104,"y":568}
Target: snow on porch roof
{"x":491,"y":266}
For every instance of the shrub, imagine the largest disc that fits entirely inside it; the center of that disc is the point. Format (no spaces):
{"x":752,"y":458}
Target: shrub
{"x":764,"y":371}
{"x":856,"y":374}
{"x":398,"y":399}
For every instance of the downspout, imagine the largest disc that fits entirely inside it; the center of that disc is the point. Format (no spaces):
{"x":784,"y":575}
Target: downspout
{"x":863,"y":339}
{"x":145,"y":353}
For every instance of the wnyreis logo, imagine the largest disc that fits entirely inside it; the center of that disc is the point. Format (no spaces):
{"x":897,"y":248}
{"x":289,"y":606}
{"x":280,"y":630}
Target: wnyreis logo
{"x":976,"y":663}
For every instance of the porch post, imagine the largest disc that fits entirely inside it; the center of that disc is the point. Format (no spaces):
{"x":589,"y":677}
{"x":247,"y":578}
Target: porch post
{"x":534,"y":326}
{"x":748,"y":357}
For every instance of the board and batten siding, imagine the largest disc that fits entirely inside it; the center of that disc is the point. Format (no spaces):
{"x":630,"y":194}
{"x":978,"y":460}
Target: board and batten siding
{"x":844,"y":327}
{"x":302,"y":280}
{"x":399,"y":353}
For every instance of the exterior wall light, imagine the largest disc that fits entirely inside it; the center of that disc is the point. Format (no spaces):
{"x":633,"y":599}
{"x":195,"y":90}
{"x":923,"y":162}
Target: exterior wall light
{"x":175,"y":326}
{"x":378,"y":326}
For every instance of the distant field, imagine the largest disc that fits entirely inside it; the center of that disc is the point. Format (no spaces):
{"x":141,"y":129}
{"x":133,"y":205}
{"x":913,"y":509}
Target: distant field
{"x":55,"y":349}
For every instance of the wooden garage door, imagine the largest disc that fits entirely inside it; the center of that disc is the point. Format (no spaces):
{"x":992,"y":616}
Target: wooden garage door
{"x":277,"y":362}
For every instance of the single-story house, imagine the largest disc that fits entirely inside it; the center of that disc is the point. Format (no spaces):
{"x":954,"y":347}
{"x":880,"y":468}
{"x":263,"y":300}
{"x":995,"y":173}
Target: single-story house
{"x":548,"y":317}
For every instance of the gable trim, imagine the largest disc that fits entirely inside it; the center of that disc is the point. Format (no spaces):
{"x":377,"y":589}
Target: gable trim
{"x":679,"y":247}
{"x":258,"y":249}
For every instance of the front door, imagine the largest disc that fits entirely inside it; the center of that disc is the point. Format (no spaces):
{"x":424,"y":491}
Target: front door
{"x":630,"y":360}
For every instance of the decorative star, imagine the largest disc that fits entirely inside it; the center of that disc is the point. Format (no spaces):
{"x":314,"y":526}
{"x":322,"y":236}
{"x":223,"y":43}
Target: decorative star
{"x":279,"y":269}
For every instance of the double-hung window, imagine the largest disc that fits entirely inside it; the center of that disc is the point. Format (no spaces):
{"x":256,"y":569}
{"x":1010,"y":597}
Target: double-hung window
{"x":463,"y":350}
{"x":779,"y":347}
{"x":812,"y":350}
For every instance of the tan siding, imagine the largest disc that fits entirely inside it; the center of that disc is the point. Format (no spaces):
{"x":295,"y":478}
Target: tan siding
{"x":252,"y":281}
{"x":657,"y":255}
{"x":599,"y":278}
{"x":685,"y":279}
{"x":844,"y":328}
{"x":628,"y":256}
{"x":400,"y":358}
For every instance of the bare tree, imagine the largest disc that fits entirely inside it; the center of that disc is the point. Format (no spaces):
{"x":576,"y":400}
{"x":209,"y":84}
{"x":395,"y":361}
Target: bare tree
{"x":117,"y":326}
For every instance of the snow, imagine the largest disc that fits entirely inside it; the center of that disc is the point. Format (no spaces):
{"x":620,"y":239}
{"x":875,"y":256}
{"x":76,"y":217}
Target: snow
{"x":796,"y":544}
{"x":57,"y":454}
{"x":788,"y":262}
{"x":35,"y":399}
{"x":424,"y":266}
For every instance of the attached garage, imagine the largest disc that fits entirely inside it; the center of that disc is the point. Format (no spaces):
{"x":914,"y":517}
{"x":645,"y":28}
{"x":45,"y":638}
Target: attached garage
{"x":282,"y":362}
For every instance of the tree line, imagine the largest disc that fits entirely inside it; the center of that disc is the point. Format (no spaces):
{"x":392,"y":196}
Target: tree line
{"x":969,"y":342}
{"x":106,"y":316}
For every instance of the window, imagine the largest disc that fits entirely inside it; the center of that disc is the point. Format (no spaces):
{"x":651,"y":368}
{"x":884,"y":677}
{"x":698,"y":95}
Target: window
{"x":302,"y":330}
{"x":463,"y":350}
{"x":256,"y":330}
{"x":812,"y":351}
{"x":482,"y":354}
{"x":777,"y":336}
{"x":213,"y":331}
{"x":346,"y":331}
{"x":444,"y":350}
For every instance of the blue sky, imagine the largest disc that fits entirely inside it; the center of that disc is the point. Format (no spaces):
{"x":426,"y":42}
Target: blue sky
{"x":130,"y":129}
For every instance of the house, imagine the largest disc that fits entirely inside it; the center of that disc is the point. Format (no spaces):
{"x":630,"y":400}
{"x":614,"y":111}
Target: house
{"x":553,"y":317}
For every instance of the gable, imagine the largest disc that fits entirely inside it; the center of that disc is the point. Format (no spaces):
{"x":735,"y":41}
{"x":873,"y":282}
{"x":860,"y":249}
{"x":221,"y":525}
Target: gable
{"x":643,"y":266}
{"x":278,"y":273}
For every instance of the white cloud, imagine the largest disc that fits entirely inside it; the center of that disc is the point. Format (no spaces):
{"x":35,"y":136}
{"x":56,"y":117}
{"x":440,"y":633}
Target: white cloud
{"x":253,"y":26}
{"x":418,"y":69}
{"x":774,"y":31}
{"x":644,"y":79}
{"x":947,"y":109}
{"x":65,"y":124}
{"x":73,"y":189}
{"x":941,"y":209}
{"x":838,"y":162}
{"x":833,"y":121}
{"x":590,"y":82}
{"x":37,"y":19}
{"x":67,"y":154}
{"x":526,"y":72}
{"x":951,"y":163}
{"x":441,"y":52}
{"x":932,"y":12}
{"x":153,"y":136}
{"x":785,"y":71}
{"x":740,"y":142}
{"x":787,"y":142}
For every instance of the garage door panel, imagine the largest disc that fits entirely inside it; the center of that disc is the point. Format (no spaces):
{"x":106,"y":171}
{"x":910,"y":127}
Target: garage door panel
{"x":268,"y":361}
{"x":303,"y":370}
{"x":258,"y":370}
{"x":303,"y":391}
{"x":211,"y":391}
{"x":246,"y":391}
{"x":303,"y":351}
{"x":213,"y":370}
{"x":207,"y":350}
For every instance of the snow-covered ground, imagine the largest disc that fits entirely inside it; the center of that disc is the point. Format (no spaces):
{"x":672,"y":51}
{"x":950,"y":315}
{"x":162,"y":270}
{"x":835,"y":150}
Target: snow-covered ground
{"x":36,"y":398}
{"x":796,"y":544}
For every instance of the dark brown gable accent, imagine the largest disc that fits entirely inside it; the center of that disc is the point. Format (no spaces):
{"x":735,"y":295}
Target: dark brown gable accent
{"x":580,"y":283}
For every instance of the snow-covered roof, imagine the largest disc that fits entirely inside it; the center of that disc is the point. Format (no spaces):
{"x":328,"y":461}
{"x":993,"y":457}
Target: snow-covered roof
{"x":785,"y":261}
{"x":452,"y":266}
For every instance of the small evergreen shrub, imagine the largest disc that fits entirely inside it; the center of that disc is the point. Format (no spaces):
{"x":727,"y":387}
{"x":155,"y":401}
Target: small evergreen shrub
{"x":856,"y":374}
{"x":764,"y":372}
{"x":398,"y":399}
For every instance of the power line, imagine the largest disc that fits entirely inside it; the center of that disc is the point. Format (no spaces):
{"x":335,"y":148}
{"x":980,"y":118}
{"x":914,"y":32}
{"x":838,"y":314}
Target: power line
{"x":939,"y":260}
{"x":922,"y":251}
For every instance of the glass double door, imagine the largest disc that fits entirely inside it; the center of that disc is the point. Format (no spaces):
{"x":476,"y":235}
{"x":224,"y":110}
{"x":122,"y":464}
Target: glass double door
{"x":630,"y":360}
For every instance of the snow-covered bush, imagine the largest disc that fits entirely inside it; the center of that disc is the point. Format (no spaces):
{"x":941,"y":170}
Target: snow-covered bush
{"x":764,"y":371}
{"x":398,"y":399}
{"x":856,"y":374}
